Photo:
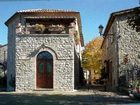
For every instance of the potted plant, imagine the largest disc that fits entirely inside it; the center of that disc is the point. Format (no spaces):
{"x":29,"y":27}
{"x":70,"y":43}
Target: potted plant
{"x":56,"y":29}
{"x":39,"y":28}
{"x":76,"y":37}
{"x":134,"y":88}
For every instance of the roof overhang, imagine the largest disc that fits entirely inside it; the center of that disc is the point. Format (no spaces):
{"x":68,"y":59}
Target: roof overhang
{"x":72,"y":14}
{"x":113,"y":16}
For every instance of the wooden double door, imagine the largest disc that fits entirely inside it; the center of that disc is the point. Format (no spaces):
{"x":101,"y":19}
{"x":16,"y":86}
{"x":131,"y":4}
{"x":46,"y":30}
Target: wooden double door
{"x":44,"y":73}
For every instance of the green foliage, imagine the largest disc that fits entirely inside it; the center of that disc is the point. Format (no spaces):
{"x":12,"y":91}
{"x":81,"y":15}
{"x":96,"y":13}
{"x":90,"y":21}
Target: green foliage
{"x":3,"y":77}
{"x":134,"y":20}
{"x":76,"y":37}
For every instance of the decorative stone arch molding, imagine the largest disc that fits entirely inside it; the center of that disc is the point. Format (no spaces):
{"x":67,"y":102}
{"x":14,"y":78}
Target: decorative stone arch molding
{"x":34,"y":55}
{"x":43,"y":48}
{"x":46,"y":48}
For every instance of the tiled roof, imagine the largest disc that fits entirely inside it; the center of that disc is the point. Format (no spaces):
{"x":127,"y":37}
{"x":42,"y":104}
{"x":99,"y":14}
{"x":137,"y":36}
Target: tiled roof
{"x":44,"y":10}
{"x":118,"y":13}
{"x":41,"y":11}
{"x":44,"y":17}
{"x":52,"y":13}
{"x":125,"y":11}
{"x":113,"y":16}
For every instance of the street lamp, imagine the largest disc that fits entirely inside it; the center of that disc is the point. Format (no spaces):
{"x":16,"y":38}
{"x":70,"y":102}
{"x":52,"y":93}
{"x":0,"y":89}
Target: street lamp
{"x":100,"y":29}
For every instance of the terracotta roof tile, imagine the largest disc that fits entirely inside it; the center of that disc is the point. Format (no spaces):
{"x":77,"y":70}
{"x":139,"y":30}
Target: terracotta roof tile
{"x":75,"y":14}
{"x":59,"y":17}
{"x":44,"y":10}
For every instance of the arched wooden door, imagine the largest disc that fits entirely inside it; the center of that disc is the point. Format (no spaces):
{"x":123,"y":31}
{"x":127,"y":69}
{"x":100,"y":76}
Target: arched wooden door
{"x":44,"y":70}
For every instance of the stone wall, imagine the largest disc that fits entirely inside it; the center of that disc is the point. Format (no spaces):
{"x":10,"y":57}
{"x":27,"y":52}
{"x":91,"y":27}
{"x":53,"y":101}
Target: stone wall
{"x":23,"y":50}
{"x":76,"y":70}
{"x":11,"y":57}
{"x":62,"y":49}
{"x":3,"y":53}
{"x":124,"y":42}
{"x":128,"y":45}
{"x":110,"y":55}
{"x":121,"y":47}
{"x":64,"y":75}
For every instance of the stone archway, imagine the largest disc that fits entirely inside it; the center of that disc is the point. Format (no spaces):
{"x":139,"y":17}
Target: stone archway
{"x":44,"y":69}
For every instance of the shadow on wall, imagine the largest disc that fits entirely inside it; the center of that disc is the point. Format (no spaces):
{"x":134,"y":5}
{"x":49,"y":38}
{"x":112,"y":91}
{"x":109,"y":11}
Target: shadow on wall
{"x":129,"y":73}
{"x":3,"y":76}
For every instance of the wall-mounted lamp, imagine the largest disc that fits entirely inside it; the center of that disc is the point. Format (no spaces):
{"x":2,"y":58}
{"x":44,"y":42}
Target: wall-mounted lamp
{"x":100,"y":29}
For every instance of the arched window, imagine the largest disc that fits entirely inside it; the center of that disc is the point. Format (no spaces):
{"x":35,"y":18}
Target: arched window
{"x":45,"y":55}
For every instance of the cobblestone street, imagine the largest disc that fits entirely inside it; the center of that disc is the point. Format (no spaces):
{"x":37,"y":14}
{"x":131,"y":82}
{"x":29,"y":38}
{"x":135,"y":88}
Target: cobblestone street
{"x":91,"y":97}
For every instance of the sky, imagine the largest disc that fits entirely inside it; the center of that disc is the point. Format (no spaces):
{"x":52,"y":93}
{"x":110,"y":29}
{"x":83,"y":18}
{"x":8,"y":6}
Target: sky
{"x":93,"y":12}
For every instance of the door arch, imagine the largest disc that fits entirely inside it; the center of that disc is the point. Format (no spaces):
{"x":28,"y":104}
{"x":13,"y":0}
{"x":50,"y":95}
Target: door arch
{"x":44,"y":69}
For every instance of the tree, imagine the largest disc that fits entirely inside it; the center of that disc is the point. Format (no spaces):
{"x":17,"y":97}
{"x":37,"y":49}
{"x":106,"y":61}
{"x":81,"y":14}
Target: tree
{"x":134,"y":20}
{"x":92,"y":57}
{"x":3,"y":68}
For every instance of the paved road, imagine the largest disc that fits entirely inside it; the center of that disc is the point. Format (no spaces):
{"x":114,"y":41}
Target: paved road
{"x":91,"y":97}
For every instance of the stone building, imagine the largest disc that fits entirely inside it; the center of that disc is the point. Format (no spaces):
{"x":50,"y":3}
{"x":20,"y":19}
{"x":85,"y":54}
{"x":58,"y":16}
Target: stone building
{"x":3,"y":53}
{"x":44,"y":50}
{"x":121,"y":47}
